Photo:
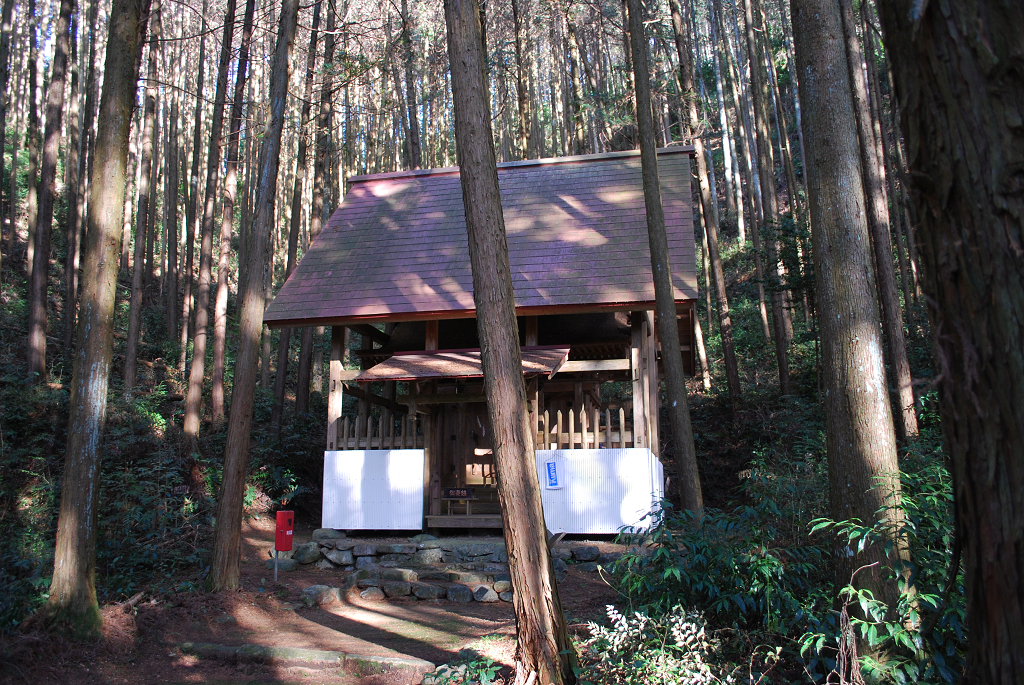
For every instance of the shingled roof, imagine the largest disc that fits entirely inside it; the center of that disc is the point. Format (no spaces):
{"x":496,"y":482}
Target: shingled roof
{"x":396,"y":248}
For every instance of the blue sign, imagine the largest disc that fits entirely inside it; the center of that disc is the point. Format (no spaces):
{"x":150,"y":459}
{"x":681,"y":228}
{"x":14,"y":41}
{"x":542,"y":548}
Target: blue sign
{"x":553,"y":480}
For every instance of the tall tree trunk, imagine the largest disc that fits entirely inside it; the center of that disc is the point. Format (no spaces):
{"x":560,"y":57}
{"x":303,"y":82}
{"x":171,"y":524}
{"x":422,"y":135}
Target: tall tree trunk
{"x":277,"y":410}
{"x":126,"y":226}
{"x":576,"y":93}
{"x":32,"y":138}
{"x":690,"y":494}
{"x":193,"y":193}
{"x":5,"y":101}
{"x":878,"y":225}
{"x":883,"y":123}
{"x":733,"y":189}
{"x":150,"y":234}
{"x":544,"y":650}
{"x":957,"y":71}
{"x":317,"y":207}
{"x":760,"y":96}
{"x":781,"y":126}
{"x":146,"y":189}
{"x":732,"y":373}
{"x":197,"y":371}
{"x":72,"y":604}
{"x":860,"y":442}
{"x":72,"y":181}
{"x":173,"y":157}
{"x":522,"y":96}
{"x":229,"y":189}
{"x":37,"y":285}
{"x":415,"y":152}
{"x":224,"y":572}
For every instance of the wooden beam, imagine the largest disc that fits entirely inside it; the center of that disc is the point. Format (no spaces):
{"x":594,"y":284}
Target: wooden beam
{"x":587,"y":365}
{"x":335,"y":388}
{"x":441,"y":398}
{"x":370,"y":332}
{"x":366,"y":396}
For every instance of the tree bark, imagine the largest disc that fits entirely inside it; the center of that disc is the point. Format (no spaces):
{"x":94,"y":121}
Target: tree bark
{"x":72,"y":605}
{"x":957,"y":73}
{"x":145,"y":190}
{"x":229,"y":189}
{"x":543,"y":647}
{"x":224,"y":571}
{"x":38,"y":279}
{"x":860,"y":442}
{"x":732,"y":373}
{"x":197,"y":371}
{"x":878,"y":225}
{"x":690,"y":494}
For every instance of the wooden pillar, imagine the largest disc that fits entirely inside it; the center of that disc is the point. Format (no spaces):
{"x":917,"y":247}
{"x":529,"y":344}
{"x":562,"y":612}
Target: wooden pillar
{"x":363,"y":415}
{"x":430,"y":343}
{"x":530,"y":334}
{"x":429,"y":467}
{"x":636,"y":370}
{"x":390,"y":392}
{"x":533,"y":404}
{"x":336,"y":387}
{"x":653,"y":390}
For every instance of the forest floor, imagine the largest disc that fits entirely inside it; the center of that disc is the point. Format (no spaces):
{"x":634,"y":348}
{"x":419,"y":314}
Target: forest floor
{"x":143,"y":645}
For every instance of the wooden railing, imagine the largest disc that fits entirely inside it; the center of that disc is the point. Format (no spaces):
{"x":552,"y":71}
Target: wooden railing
{"x":379,"y":434}
{"x":571,"y":432}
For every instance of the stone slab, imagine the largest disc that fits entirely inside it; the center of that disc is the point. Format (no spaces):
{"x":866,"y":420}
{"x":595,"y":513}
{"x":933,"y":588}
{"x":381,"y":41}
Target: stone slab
{"x":396,"y":588}
{"x":405,"y":574}
{"x":460,"y":593}
{"x":292,"y":654}
{"x":427,"y":591}
{"x":327,"y":534}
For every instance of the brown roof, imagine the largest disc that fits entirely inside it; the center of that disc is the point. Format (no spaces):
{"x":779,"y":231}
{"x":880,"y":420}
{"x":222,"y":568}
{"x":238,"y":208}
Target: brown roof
{"x":396,"y":248}
{"x":405,"y":366}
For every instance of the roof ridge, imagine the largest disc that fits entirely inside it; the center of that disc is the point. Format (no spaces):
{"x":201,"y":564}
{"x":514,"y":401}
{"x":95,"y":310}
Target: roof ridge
{"x":571,"y":159}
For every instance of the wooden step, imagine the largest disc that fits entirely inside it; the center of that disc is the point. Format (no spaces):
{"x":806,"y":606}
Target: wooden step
{"x":464,"y":521}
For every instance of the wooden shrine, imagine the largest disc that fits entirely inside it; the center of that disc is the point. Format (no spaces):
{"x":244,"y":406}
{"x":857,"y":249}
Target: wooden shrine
{"x":392,"y":267}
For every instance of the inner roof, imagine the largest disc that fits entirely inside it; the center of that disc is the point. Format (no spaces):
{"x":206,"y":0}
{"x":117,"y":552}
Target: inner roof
{"x":396,"y":248}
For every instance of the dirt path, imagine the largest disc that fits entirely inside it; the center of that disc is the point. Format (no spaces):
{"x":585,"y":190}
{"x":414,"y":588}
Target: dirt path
{"x":144,"y":649}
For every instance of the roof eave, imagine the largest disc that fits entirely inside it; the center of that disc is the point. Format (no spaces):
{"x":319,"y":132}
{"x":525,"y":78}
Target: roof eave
{"x":399,"y":317}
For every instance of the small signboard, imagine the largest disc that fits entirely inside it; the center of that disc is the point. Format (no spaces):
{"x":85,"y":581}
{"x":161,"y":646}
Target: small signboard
{"x":553,"y":480}
{"x":458,"y":493}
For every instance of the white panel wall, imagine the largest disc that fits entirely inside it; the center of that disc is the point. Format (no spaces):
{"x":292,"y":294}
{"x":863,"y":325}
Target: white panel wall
{"x":603,"y":490}
{"x":373,"y":490}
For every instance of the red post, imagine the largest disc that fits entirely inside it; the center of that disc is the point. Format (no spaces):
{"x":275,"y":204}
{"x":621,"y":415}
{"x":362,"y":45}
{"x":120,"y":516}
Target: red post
{"x":285,"y":528}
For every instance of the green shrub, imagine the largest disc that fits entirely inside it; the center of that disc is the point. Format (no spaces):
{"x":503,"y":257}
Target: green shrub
{"x":672,"y":647}
{"x":922,"y":638}
{"x":727,"y":563}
